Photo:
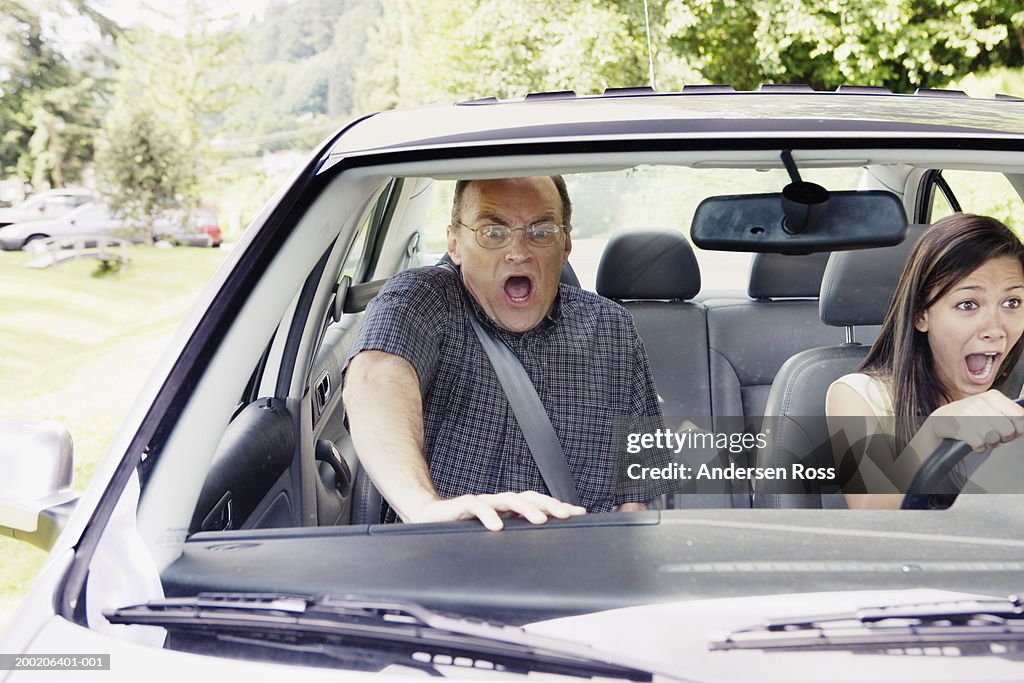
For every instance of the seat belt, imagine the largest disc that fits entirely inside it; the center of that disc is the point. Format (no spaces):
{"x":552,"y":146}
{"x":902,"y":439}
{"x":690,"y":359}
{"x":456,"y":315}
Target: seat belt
{"x":533,"y":420}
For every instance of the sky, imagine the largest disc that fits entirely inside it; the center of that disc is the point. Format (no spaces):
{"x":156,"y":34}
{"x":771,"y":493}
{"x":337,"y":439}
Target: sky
{"x":79,"y":32}
{"x":130,"y":12}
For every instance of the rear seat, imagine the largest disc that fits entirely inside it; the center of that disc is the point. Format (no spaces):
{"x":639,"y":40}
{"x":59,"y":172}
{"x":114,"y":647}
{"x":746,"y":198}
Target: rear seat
{"x":750,"y":339}
{"x":715,"y":360}
{"x":655,"y":275}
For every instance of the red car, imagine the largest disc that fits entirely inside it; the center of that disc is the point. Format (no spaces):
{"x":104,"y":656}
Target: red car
{"x":206,"y":222}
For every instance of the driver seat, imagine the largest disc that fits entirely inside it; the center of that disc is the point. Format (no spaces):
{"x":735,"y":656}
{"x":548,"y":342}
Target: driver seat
{"x":856,"y":290}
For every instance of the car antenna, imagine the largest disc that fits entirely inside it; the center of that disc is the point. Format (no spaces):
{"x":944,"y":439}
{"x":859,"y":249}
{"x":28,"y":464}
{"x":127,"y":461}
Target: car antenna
{"x":650,"y":49}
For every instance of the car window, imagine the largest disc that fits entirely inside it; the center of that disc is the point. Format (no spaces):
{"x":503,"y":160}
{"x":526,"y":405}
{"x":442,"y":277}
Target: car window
{"x":354,"y":262}
{"x":61,"y":202}
{"x":413,"y":213}
{"x":642,"y":198}
{"x":980,"y":192}
{"x":94,"y":213}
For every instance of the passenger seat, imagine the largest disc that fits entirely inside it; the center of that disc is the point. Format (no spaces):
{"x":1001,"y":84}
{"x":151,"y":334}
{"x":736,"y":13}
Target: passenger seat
{"x":750,"y":339}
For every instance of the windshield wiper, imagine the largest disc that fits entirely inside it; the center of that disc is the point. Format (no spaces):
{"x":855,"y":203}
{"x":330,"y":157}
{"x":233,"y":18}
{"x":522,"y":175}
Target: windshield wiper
{"x":978,"y":626}
{"x":371,"y":633}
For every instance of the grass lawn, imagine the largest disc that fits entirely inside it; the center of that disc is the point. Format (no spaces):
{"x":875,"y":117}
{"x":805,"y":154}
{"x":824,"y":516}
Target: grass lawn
{"x":77,"y":348}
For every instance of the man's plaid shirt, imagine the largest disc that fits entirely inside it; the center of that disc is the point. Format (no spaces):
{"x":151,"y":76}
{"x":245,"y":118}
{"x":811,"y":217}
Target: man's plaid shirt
{"x":586,"y":361}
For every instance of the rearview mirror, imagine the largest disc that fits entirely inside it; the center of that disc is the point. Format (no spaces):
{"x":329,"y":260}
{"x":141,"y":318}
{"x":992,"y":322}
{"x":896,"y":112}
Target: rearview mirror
{"x":800,"y":223}
{"x":35,"y":492}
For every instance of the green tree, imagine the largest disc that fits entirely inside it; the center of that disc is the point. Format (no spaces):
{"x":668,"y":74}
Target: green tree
{"x":300,"y":66}
{"x":141,"y":167}
{"x":50,"y":104}
{"x":179,"y":76}
{"x":64,"y":121}
{"x":423,"y":51}
{"x":900,"y":44}
{"x":428,"y":50}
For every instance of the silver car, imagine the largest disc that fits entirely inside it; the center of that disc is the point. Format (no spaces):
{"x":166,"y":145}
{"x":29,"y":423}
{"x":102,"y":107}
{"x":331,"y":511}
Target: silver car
{"x":96,"y":219}
{"x":46,"y":204}
{"x":231,"y":531}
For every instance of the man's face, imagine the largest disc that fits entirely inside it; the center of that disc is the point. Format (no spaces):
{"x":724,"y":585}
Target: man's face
{"x":515,"y":284}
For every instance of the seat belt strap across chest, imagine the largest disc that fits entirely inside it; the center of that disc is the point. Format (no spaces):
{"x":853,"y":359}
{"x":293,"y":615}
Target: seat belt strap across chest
{"x":530,"y":414}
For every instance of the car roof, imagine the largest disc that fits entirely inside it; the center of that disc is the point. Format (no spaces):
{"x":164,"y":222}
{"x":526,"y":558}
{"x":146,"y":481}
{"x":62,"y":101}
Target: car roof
{"x":782,"y":111}
{"x":78,"y":191}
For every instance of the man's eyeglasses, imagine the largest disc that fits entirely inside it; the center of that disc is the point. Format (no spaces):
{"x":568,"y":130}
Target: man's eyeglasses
{"x":498,"y":236}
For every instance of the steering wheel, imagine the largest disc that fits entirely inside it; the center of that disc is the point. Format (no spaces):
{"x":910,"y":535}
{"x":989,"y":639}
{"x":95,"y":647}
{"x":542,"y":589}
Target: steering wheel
{"x":938,"y":465}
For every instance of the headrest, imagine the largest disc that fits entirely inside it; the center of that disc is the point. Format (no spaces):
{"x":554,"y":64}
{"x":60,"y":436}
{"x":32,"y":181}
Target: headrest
{"x":779,"y":276}
{"x":858,"y":285}
{"x":568,"y":276}
{"x":648,"y":264}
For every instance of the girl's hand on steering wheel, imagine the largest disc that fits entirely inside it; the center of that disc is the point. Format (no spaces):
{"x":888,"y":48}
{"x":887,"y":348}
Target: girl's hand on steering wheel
{"x":982,"y":421}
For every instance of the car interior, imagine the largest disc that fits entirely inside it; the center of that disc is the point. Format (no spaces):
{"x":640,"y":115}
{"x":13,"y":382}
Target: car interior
{"x":763,"y":344}
{"x":277,"y":499}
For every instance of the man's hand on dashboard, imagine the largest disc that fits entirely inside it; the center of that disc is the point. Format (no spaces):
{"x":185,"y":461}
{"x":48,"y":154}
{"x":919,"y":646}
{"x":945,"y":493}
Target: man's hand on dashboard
{"x":491,"y":508}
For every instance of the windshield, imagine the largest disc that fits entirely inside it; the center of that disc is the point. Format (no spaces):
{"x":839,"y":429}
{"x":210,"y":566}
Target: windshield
{"x":261,"y":485}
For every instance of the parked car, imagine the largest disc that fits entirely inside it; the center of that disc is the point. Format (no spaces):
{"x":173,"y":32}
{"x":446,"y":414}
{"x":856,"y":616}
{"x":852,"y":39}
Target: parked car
{"x":46,"y":204}
{"x":206,"y":222}
{"x":96,"y":218}
{"x":231,"y":531}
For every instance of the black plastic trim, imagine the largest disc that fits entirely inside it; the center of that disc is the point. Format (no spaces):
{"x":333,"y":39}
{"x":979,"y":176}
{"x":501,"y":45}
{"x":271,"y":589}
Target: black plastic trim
{"x":383,"y":213}
{"x":947,"y":192}
{"x":298,"y":325}
{"x":925,"y":194}
{"x":763,"y":89}
{"x":573,"y":146}
{"x":552,"y":95}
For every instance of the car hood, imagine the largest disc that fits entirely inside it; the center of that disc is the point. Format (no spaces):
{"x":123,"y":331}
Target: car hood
{"x":669,"y":638}
{"x":674,"y":637}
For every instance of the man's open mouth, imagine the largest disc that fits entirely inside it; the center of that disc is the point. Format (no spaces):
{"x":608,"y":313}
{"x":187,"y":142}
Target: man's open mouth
{"x":518,"y":288}
{"x":981,"y":366}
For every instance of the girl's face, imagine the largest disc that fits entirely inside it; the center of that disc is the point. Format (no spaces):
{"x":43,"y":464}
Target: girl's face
{"x":974,"y":325}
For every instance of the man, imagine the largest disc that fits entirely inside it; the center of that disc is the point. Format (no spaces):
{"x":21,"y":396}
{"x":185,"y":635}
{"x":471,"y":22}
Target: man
{"x":428,"y":417}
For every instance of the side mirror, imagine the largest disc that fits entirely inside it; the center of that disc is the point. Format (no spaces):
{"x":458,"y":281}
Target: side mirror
{"x":35,"y":492}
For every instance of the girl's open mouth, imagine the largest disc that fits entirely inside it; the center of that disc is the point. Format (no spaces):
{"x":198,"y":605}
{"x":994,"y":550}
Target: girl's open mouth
{"x":981,"y":366}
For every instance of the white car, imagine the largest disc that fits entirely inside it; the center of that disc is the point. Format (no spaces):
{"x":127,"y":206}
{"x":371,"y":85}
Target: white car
{"x":231,"y":532}
{"x":46,"y":204}
{"x":95,"y":219}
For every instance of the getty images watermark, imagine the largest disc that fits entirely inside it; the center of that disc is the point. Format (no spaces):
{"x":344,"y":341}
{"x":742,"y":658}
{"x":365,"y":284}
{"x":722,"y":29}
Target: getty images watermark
{"x":804,"y":455}
{"x":696,"y":444}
